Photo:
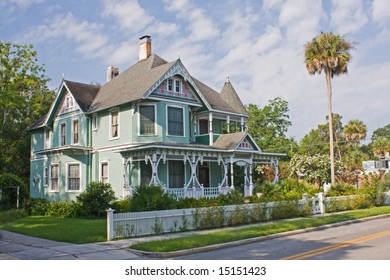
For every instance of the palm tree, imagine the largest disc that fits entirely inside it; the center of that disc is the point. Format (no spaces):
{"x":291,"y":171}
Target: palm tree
{"x":355,"y":131}
{"x":381,"y":146}
{"x":328,"y":52}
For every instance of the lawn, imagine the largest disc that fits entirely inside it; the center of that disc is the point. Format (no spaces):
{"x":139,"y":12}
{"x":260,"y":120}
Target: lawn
{"x":224,"y":236}
{"x":77,"y":231}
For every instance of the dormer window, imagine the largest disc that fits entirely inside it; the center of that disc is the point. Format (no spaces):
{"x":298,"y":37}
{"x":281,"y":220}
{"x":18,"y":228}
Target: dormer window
{"x":174,"y":85}
{"x":69,"y":102}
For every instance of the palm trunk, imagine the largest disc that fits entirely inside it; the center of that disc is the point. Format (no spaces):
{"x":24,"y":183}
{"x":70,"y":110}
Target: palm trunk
{"x":331,"y":141}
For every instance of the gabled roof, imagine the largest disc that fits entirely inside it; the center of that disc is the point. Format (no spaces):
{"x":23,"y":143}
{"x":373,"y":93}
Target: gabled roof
{"x":230,"y":96}
{"x":132,"y":84}
{"x":232,"y":141}
{"x":84,"y":94}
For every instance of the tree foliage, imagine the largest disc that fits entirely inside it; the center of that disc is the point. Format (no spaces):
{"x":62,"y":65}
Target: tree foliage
{"x":269,"y":125}
{"x":24,"y":98}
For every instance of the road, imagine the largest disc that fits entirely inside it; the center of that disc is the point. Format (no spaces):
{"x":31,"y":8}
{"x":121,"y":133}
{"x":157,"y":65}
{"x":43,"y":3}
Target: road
{"x":368,"y":240}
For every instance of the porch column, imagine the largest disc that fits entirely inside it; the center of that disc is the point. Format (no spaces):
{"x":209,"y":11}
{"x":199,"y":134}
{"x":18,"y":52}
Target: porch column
{"x":276,"y":168}
{"x":211,"y":140}
{"x":228,"y":123}
{"x":231,"y":174}
{"x":155,"y":162}
{"x":250,"y":179}
{"x":242,"y":123}
{"x":195,"y":130}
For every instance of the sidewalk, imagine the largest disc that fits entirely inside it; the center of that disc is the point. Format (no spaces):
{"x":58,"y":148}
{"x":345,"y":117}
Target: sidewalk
{"x":14,"y":246}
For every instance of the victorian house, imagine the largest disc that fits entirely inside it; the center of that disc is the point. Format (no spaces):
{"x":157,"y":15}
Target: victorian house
{"x":152,"y":124}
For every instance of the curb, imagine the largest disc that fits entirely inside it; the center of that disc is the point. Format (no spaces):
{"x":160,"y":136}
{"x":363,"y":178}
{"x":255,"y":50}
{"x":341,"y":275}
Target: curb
{"x":250,"y":240}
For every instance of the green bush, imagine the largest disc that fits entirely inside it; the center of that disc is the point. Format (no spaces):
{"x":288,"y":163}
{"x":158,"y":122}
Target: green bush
{"x":122,"y":206}
{"x":341,"y":190}
{"x":37,"y":206}
{"x":151,"y":198}
{"x":211,"y":217}
{"x":9,"y":193}
{"x":373,"y":187}
{"x":96,"y":199}
{"x":287,"y":210}
{"x":12,"y":215}
{"x":63,"y":209}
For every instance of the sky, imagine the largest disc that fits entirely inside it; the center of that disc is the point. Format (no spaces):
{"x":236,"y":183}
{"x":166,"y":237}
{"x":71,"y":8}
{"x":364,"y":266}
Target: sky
{"x":257,"y":44}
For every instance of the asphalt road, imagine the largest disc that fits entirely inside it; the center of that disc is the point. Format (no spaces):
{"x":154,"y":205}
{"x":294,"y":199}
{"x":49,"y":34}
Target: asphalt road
{"x":368,"y":240}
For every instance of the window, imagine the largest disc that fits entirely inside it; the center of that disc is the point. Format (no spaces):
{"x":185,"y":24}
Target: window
{"x":174,"y":85}
{"x":170,"y":85}
{"x":147,"y":120}
{"x":54,"y":177}
{"x":176,"y":174}
{"x":104,"y":172}
{"x":114,"y":124}
{"x":46,"y":176}
{"x":175,"y":121}
{"x":47,"y":138}
{"x":63,"y":134}
{"x":203,"y":127}
{"x":177,"y":86}
{"x":73,"y":177}
{"x":94,"y":122}
{"x":69,"y":102}
{"x":75,"y":131}
{"x":146,"y":173}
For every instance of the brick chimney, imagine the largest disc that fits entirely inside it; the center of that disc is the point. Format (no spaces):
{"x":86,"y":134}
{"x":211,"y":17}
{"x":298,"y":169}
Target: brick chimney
{"x":145,"y":47}
{"x":112,"y":72}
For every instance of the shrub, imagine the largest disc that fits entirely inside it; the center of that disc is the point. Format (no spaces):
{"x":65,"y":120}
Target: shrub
{"x":150,"y":198}
{"x":12,"y":215}
{"x":211,"y":217}
{"x":122,"y":206}
{"x":63,"y":209}
{"x":341,"y":190}
{"x":37,"y":206}
{"x":96,"y":199}
{"x":373,"y":187}
{"x":9,"y":195}
{"x":288,"y":209}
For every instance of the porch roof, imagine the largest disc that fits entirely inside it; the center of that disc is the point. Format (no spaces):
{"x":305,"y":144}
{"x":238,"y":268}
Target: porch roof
{"x":64,"y":149}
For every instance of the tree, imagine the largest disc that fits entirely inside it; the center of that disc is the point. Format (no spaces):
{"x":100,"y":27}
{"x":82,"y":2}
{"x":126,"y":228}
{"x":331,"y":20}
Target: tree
{"x":355,"y":131}
{"x":381,"y":146}
{"x":328,"y":52}
{"x":24,"y":98}
{"x":382,"y":132}
{"x":269,"y":125}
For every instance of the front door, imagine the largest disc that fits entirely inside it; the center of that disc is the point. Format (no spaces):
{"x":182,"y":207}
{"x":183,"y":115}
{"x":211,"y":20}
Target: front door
{"x":204,"y":174}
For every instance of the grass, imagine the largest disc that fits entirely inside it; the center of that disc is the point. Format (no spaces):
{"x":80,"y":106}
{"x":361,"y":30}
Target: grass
{"x":224,"y":236}
{"x":77,"y":231}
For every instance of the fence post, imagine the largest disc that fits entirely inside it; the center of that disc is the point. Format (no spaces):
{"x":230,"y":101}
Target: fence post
{"x":110,"y":224}
{"x":321,"y":202}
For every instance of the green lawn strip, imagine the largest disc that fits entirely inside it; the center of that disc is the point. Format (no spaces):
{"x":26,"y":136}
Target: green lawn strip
{"x":223,"y":236}
{"x":77,"y":231}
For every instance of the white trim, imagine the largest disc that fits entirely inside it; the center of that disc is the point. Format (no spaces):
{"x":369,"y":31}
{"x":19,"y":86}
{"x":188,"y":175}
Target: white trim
{"x":66,"y":176}
{"x":68,"y":116}
{"x":101,"y":162}
{"x":113,"y":110}
{"x":139,"y":119}
{"x":167,"y":124}
{"x":58,"y":177}
{"x":78,"y":131}
{"x":47,"y":142}
{"x":176,"y":101}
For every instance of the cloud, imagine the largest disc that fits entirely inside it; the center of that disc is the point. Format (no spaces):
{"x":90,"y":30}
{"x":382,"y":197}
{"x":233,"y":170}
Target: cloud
{"x":128,"y":14}
{"x":200,"y":26}
{"x":26,"y":3}
{"x":87,"y":36}
{"x":348,"y":16}
{"x":381,"y":11}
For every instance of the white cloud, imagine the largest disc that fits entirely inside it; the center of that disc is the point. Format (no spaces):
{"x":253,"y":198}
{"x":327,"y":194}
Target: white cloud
{"x":26,"y":3}
{"x":86,"y":35}
{"x":348,"y":16}
{"x":381,"y":10}
{"x":200,"y":26}
{"x":129,"y":14}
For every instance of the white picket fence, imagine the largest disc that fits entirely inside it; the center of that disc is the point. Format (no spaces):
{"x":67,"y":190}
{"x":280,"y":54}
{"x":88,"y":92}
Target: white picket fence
{"x":120,"y":225}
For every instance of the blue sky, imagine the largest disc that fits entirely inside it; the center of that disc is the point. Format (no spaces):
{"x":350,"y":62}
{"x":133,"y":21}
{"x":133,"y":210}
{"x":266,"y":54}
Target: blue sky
{"x":258,"y":44}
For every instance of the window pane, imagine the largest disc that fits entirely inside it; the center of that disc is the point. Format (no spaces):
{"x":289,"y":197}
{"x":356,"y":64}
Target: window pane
{"x":147,"y":119}
{"x":203,"y":126}
{"x":63,"y":134}
{"x":114,"y":124}
{"x":75,"y":132}
{"x":73,"y":177}
{"x":54,"y":177}
{"x":146,"y":173}
{"x":104,"y":173}
{"x":175,"y":121}
{"x":176,"y":174}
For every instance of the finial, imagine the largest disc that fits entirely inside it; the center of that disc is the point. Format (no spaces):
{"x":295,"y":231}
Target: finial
{"x":227,"y":77}
{"x":178,"y":54}
{"x":63,"y":76}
